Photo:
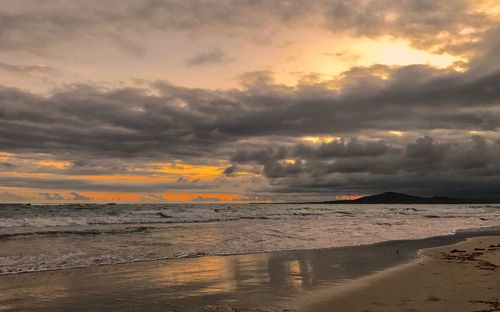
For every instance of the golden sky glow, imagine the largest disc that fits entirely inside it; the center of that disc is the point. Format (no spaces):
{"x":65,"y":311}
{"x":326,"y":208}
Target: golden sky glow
{"x":53,"y":163}
{"x":189,"y":171}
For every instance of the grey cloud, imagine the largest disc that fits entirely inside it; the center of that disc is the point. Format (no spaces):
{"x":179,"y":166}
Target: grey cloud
{"x":52,"y":196}
{"x":7,"y":166}
{"x":468,"y":168}
{"x":352,"y":148}
{"x":215,"y":56}
{"x":230,"y":170}
{"x":24,"y":69}
{"x":417,"y":20}
{"x":180,"y":123}
{"x":260,"y":156}
{"x":35,"y":26}
{"x":79,"y":197}
{"x":275,"y":169}
{"x":50,"y":183}
{"x":11,"y":197}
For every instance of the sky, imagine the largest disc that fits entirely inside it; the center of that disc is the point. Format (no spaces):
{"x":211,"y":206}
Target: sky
{"x":248,"y":100}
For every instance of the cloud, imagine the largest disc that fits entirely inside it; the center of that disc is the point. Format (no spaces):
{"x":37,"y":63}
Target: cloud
{"x":230,"y":170}
{"x":416,"y":20}
{"x":24,"y":69}
{"x":79,"y":197}
{"x":258,"y":127}
{"x":52,"y":196}
{"x":340,"y":148}
{"x":74,"y":183}
{"x":7,"y":166}
{"x":179,"y":123}
{"x":468,"y":168}
{"x":215,"y":56}
{"x":6,"y":197}
{"x":426,"y":24}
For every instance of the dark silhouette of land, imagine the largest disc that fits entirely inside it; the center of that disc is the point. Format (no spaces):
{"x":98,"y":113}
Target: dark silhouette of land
{"x":400,"y":198}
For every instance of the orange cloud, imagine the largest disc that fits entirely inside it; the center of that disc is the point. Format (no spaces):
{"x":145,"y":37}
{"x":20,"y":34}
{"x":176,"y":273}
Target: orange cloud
{"x":53,"y":163}
{"x":130,"y":197}
{"x":349,"y":197}
{"x":191,"y":171}
{"x":127,"y":178}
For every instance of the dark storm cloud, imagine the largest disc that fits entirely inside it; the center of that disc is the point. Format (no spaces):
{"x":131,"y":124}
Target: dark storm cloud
{"x":179,"y":123}
{"x":215,"y":56}
{"x":352,"y":148}
{"x":35,"y":25}
{"x":461,"y":169}
{"x":261,"y":156}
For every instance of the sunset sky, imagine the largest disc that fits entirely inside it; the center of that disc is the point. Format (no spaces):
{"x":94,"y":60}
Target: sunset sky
{"x":247,"y":100}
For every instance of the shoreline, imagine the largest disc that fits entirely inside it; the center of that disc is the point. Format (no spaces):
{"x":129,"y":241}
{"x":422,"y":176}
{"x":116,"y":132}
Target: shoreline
{"x":459,"y":234}
{"x":460,"y":277}
{"x":273,"y":280}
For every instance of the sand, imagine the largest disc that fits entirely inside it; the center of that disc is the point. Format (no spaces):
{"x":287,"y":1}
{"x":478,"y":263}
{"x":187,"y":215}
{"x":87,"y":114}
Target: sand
{"x":459,"y":277}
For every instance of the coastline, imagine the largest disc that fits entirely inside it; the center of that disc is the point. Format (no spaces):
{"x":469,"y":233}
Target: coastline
{"x":259,"y":282}
{"x":459,"y":277}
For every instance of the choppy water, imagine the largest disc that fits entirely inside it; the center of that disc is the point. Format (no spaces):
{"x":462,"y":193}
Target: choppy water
{"x":39,"y":237}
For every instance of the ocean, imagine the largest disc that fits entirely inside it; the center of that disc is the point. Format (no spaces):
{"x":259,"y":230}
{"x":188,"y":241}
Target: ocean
{"x":53,"y":237}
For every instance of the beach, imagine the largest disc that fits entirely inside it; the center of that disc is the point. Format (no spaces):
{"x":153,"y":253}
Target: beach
{"x":459,"y":277}
{"x":408,"y":275}
{"x":249,"y":156}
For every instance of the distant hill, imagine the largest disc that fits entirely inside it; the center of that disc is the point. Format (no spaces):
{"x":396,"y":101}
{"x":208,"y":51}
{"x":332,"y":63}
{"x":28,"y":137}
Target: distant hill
{"x":400,"y":198}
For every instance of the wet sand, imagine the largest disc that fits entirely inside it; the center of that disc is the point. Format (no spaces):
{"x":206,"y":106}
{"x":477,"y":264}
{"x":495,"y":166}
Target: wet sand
{"x":460,"y":277}
{"x":278,"y":281}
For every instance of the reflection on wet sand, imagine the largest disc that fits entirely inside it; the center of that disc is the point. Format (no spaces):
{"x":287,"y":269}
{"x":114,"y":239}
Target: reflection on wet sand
{"x":211,"y":275}
{"x":268,"y":279}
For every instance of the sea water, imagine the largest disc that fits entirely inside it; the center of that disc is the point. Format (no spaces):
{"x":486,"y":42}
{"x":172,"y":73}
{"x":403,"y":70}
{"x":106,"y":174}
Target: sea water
{"x":50,"y":237}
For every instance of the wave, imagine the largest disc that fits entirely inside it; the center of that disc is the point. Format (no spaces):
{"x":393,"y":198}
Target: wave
{"x":73,"y":260}
{"x":38,"y":222}
{"x":83,"y":232}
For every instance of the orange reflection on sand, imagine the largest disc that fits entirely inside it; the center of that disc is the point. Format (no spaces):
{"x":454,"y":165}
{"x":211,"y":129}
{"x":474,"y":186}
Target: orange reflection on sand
{"x":299,"y":272}
{"x":295,"y":273}
{"x":211,"y":274}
